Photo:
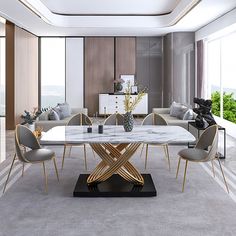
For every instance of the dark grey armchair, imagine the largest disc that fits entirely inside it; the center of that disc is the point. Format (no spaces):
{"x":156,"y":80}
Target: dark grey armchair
{"x":78,"y":119}
{"x":204,"y":151}
{"x":28,"y":150}
{"x":155,"y":119}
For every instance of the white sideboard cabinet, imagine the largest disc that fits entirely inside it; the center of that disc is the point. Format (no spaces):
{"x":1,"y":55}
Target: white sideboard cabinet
{"x":114,"y":103}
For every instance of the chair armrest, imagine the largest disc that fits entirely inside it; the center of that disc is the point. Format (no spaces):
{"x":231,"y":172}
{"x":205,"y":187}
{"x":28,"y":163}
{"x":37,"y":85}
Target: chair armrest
{"x":79,"y":110}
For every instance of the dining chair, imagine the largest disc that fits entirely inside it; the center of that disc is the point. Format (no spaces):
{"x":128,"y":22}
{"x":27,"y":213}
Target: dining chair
{"x":155,"y":119}
{"x":114,"y":119}
{"x":28,"y":150}
{"x":204,"y":151}
{"x":78,"y":119}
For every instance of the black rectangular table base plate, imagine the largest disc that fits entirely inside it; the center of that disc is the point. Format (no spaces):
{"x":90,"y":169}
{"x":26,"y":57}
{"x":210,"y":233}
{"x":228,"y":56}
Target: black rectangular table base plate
{"x":115,"y":186}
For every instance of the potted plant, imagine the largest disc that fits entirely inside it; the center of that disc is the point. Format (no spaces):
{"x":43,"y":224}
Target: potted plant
{"x":30,"y":117}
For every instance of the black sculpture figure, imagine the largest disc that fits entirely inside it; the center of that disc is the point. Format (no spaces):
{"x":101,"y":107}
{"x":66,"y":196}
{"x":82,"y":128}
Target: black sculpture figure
{"x":203,"y":112}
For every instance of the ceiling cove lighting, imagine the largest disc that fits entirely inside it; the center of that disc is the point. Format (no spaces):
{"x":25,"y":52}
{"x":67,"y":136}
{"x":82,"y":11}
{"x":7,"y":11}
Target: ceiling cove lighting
{"x":187,"y":9}
{"x":2,"y":20}
{"x":34,"y":10}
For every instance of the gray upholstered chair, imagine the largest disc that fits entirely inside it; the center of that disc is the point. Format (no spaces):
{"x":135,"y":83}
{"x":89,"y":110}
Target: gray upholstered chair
{"x":114,"y":119}
{"x":78,"y":119}
{"x":28,"y":150}
{"x":155,"y":119}
{"x":204,"y":151}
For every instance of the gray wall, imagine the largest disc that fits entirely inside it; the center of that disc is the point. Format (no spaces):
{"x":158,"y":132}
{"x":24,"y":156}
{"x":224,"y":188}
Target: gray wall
{"x":149,"y":68}
{"x":179,"y":68}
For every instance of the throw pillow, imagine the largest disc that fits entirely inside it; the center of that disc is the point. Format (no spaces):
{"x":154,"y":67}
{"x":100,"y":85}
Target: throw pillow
{"x":57,"y":109}
{"x":188,"y":115}
{"x":177,"y":109}
{"x":65,"y":109}
{"x":44,"y":115}
{"x":53,"y":115}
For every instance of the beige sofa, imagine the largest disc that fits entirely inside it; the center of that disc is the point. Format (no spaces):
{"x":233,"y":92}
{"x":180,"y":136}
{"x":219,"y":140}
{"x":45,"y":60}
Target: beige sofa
{"x":165,"y":113}
{"x":45,"y":124}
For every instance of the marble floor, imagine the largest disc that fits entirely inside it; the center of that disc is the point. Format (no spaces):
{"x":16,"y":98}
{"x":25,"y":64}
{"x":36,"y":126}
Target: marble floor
{"x":7,"y":145}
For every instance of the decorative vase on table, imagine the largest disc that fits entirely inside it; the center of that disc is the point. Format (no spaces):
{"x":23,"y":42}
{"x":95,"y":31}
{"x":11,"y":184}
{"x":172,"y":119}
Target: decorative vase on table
{"x":128,"y":122}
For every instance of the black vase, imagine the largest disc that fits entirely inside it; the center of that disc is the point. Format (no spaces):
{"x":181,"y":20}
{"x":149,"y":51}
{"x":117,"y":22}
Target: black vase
{"x":128,"y":121}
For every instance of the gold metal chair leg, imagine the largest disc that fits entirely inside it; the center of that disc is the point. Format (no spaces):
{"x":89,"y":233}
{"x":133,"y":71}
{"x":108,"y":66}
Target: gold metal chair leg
{"x":9,"y":173}
{"x":142,"y":151}
{"x":55,"y":166}
{"x":63,"y":158}
{"x":93,"y":154}
{"x":213,"y":169}
{"x":146,"y":156}
{"x":85,"y":158}
{"x":177,"y":172}
{"x":167,"y":154}
{"x":70,"y":151}
{"x":185,"y":170}
{"x":226,"y":185}
{"x":23,"y":168}
{"x":45,"y":178}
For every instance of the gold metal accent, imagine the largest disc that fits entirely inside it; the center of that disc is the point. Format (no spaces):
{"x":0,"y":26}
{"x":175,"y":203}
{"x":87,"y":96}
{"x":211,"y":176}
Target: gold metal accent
{"x":23,"y":168}
{"x":55,"y":166}
{"x":213,"y":169}
{"x":70,"y":145}
{"x":177,"y":172}
{"x":185,"y":170}
{"x":85,"y":158}
{"x":45,"y":177}
{"x":115,"y":159}
{"x":226,"y":185}
{"x":14,"y":158}
{"x":142,"y":150}
{"x":166,"y":151}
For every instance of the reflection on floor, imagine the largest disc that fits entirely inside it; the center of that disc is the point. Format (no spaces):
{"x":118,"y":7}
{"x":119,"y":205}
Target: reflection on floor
{"x":7,"y":145}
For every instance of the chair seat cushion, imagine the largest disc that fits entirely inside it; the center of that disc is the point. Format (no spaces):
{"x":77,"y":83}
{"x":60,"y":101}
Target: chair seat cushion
{"x":193,"y":154}
{"x":41,"y":154}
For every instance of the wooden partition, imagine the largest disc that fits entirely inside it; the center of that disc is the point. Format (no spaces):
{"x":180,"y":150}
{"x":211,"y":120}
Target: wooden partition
{"x":98,"y":71}
{"x":21,"y":73}
{"x":125,"y":56}
{"x":10,"y":81}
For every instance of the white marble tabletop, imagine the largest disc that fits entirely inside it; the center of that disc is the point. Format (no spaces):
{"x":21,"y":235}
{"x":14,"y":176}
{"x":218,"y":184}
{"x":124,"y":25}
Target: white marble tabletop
{"x":152,"y":134}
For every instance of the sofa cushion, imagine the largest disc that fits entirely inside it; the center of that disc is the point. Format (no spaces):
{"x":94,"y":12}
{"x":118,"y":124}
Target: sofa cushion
{"x":188,"y":115}
{"x":177,"y":109}
{"x":57,"y":109}
{"x":53,"y":115}
{"x":65,"y":109}
{"x":44,"y":115}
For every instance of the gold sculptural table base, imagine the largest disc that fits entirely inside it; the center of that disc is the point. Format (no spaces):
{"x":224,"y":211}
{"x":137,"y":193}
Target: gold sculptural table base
{"x":115,"y":160}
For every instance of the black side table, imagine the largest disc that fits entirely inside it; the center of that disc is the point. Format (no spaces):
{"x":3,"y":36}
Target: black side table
{"x":193,"y":124}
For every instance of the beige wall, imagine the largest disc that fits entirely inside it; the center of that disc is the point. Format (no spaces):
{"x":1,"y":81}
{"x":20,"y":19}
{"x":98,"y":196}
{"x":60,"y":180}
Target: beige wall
{"x":26,"y":72}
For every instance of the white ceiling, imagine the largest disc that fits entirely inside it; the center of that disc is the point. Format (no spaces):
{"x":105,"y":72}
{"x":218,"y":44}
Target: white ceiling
{"x":92,"y":7}
{"x":180,"y":19}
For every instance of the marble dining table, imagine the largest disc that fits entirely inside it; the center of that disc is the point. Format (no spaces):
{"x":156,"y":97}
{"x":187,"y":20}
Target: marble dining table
{"x":115,"y":147}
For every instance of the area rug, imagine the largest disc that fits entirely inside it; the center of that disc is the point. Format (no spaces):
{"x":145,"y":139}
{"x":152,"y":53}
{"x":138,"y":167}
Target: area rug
{"x":205,"y":208}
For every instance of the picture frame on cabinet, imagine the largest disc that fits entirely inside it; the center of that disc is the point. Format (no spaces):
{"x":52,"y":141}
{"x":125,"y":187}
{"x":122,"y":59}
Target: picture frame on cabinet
{"x":127,"y":79}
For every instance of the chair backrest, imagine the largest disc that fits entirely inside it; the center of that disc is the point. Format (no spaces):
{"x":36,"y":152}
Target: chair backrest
{"x":114,"y":119}
{"x":80,"y":119}
{"x":209,"y":141}
{"x":154,"y":119}
{"x":24,"y":138}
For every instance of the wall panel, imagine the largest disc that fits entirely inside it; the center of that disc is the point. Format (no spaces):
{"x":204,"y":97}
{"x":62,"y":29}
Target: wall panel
{"x":99,"y":70}
{"x":26,"y":72}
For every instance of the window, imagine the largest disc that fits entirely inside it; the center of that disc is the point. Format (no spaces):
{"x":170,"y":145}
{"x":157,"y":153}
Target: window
{"x":52,"y":71}
{"x":222,"y":76}
{"x":2,"y":76}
